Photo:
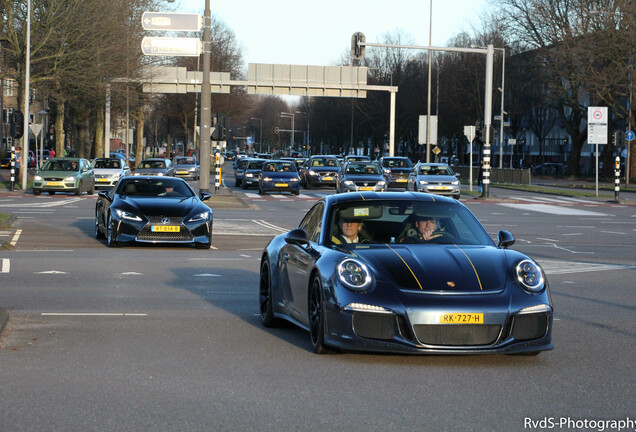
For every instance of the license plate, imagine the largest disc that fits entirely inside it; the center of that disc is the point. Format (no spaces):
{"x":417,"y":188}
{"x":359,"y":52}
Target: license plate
{"x":441,"y":188}
{"x":327,"y":178}
{"x":101,"y":180}
{"x":461,"y":318}
{"x":54,"y":183}
{"x":402,"y":180}
{"x":282,"y":185}
{"x":165,"y":228}
{"x":182,"y":172}
{"x":366,"y":188}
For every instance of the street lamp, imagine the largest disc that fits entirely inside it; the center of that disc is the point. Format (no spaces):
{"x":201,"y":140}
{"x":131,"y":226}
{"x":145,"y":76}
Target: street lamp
{"x":292,"y":116}
{"x":27,"y":79}
{"x":42,"y":114}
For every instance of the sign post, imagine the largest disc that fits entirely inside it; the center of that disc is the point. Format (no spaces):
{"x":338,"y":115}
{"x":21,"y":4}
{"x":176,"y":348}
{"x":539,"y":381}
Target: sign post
{"x":171,"y":21}
{"x":469,"y":132}
{"x":596,"y":131}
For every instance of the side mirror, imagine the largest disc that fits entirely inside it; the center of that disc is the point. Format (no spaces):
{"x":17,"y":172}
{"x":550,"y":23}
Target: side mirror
{"x":505,"y":239}
{"x":204,"y":196}
{"x":458,"y":175}
{"x":297,"y":237}
{"x":105,"y":195}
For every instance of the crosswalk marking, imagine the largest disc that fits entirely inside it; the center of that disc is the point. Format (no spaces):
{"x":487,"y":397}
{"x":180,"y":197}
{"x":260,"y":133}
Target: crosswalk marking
{"x":5,"y":265}
{"x":552,"y":209}
{"x":556,"y":267}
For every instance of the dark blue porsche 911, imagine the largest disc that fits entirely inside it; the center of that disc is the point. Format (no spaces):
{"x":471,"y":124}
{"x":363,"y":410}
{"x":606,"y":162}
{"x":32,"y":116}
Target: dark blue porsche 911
{"x":404,"y":273}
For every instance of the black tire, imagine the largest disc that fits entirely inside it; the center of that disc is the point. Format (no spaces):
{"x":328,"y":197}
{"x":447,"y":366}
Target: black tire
{"x":456,"y":197}
{"x":36,"y":192}
{"x":317,"y":317}
{"x":51,"y":192}
{"x":110,"y":242}
{"x":308,"y":185}
{"x":243,"y":185}
{"x":98,"y":234}
{"x":237,"y":183}
{"x":265,"y":296}
{"x":78,"y":191}
{"x":296,"y":192}
{"x":261,"y":191}
{"x":91,"y":191}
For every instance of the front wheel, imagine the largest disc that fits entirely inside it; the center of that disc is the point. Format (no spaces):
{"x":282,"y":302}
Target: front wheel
{"x":98,"y":233}
{"x":110,"y":236}
{"x":265,"y":296}
{"x":317,"y":317}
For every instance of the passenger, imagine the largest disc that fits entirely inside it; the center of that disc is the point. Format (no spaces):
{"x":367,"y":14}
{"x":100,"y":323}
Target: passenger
{"x":349,"y":232}
{"x":425,"y":230}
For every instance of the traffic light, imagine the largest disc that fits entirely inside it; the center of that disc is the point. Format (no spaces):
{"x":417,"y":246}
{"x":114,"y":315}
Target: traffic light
{"x":357,"y":50}
{"x":220,"y":128}
{"x":17,"y":124}
{"x":276,"y":130}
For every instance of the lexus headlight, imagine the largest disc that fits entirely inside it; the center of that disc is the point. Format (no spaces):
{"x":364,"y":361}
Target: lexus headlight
{"x":126,"y":215}
{"x":530,"y":276}
{"x":200,"y":217}
{"x":354,"y":275}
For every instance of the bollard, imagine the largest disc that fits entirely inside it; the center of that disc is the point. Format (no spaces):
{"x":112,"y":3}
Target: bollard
{"x":617,"y":177}
{"x":12,"y":168}
{"x":217,"y":169}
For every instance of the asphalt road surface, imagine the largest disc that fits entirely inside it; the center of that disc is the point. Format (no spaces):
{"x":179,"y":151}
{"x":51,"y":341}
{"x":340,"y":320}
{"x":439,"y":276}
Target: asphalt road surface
{"x":169,"y":338}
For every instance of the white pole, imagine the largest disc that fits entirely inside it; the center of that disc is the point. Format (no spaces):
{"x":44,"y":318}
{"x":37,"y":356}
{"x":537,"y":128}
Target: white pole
{"x":392,"y":126}
{"x":27,"y":79}
{"x":428,"y":100}
{"x":501,"y":123}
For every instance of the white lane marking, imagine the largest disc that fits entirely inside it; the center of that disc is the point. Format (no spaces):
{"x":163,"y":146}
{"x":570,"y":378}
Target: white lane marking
{"x":207,"y":275}
{"x":51,"y":272}
{"x":56,"y":203}
{"x":5,"y":267}
{"x":554,"y":267}
{"x":552,"y":209}
{"x":613,"y":232}
{"x":88,"y":314}
{"x":15,"y":238}
{"x":131,"y":273}
{"x":572,"y":234}
{"x":269,"y":225}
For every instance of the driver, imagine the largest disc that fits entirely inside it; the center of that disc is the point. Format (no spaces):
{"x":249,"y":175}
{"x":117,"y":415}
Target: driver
{"x":349,"y":232}
{"x":425,"y":230}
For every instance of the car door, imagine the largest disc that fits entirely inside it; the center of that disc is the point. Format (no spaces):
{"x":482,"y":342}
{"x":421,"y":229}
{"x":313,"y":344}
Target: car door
{"x":298,"y":261}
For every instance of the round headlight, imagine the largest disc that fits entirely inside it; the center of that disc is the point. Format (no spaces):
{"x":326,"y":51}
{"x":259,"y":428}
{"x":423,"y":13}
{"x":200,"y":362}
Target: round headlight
{"x":354,"y":275}
{"x":530,"y":276}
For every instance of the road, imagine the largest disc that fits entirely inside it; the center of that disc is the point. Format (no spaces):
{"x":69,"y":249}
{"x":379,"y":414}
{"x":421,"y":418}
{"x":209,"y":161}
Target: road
{"x":169,"y":338}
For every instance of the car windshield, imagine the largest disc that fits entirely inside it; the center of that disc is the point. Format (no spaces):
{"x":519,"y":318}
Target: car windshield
{"x":152,"y":164}
{"x":357,"y":158}
{"x":396,"y":163}
{"x":255,"y":164}
{"x":185,"y":161}
{"x":435,"y":170}
{"x":325,"y":162}
{"x":60,"y":165}
{"x":397,"y":221}
{"x":170,"y":188}
{"x":369,"y":169}
{"x":279,"y":167}
{"x":107,"y":163}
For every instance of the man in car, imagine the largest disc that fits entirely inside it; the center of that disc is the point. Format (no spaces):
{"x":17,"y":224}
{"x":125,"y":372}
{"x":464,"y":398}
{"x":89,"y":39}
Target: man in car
{"x":349,"y":232}
{"x":425,"y":230}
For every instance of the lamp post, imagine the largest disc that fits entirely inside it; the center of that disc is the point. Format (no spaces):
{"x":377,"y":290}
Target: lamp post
{"x":42,"y":114}
{"x":430,"y":71}
{"x":27,"y":80}
{"x":260,"y":139}
{"x":292,"y":116}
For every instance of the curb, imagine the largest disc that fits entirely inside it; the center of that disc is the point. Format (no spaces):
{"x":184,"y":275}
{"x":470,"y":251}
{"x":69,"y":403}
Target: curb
{"x":4,"y":319}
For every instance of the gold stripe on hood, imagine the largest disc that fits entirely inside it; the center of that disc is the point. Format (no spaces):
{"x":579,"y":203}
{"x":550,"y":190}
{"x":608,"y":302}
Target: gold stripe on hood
{"x":407,"y":266}
{"x":471,"y":264}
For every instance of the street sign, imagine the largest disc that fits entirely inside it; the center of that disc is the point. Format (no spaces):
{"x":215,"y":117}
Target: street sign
{"x":512,"y":141}
{"x":597,"y":125}
{"x":36,"y":128}
{"x":469,"y":133}
{"x":436,"y":150}
{"x":629,"y":136}
{"x":171,"y":21}
{"x":165,"y":46}
{"x":422,"y":133}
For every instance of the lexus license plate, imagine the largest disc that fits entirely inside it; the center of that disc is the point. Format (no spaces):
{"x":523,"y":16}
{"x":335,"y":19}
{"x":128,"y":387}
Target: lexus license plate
{"x":165,"y":228}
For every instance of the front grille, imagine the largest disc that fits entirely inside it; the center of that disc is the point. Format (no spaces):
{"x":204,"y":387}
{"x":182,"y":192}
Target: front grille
{"x":457,"y":334}
{"x":146,"y":234}
{"x":374,"y":326}
{"x":365,"y":183}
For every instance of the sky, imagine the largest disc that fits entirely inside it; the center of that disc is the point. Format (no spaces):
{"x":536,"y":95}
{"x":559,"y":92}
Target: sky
{"x":319,"y":32}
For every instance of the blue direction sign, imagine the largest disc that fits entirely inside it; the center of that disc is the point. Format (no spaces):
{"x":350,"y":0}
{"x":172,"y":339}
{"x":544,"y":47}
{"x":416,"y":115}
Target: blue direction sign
{"x":171,"y":21}
{"x":630,"y":136}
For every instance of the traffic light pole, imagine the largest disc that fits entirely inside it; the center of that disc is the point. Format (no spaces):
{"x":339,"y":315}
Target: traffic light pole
{"x":206,"y":104}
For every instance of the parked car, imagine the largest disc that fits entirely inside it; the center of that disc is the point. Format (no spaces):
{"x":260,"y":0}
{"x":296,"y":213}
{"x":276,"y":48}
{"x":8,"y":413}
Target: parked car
{"x":155,"y":166}
{"x":108,"y":171}
{"x":550,"y":169}
{"x":186,"y":167}
{"x":151,"y":209}
{"x":5,"y":163}
{"x":434,"y":178}
{"x":320,"y":170}
{"x":65,"y":174}
{"x":396,"y":170}
{"x":360,"y":176}
{"x":278,"y":176}
{"x":252,"y":173}
{"x":457,"y":293}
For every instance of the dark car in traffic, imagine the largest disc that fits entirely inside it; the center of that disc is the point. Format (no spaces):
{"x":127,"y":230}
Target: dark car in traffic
{"x":396,"y":170}
{"x":239,"y":170}
{"x":155,"y":166}
{"x":153,"y":209}
{"x":421,"y":276}
{"x":434,"y":178}
{"x":360,"y":176}
{"x":320,"y":170}
{"x":252,"y":173}
{"x":279,"y":176}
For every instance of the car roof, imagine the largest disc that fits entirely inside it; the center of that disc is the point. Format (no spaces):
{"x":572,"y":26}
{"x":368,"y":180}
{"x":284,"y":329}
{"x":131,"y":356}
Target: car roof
{"x":387,"y":196}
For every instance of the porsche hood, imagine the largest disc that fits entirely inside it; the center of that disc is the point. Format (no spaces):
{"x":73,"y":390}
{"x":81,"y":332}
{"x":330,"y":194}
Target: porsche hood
{"x":450,"y":268}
